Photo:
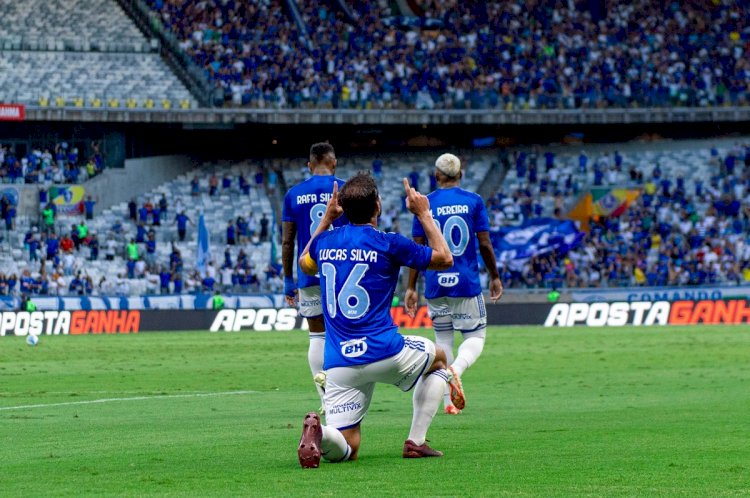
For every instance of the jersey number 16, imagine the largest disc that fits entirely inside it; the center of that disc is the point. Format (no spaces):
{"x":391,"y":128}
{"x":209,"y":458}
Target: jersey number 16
{"x":352,"y":299}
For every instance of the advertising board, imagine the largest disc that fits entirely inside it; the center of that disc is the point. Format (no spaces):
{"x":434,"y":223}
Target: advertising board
{"x":267,"y":319}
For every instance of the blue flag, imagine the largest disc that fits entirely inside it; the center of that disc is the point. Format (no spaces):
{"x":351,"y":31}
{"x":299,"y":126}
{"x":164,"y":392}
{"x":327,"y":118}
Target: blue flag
{"x":274,"y":248}
{"x":203,"y":252}
{"x":537,"y":236}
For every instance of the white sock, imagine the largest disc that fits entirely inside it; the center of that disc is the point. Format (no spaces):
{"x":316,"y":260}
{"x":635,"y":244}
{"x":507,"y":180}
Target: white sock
{"x":444,"y":336}
{"x":315,"y":356}
{"x":468,"y":352}
{"x":426,"y":400}
{"x":333,"y":446}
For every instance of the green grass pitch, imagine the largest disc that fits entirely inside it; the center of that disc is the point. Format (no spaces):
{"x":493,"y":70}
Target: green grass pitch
{"x":659,"y":411}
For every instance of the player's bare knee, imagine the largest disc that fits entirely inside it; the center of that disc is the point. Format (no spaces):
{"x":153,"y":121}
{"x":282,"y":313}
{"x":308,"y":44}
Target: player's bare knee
{"x":316,"y":324}
{"x":440,"y":361}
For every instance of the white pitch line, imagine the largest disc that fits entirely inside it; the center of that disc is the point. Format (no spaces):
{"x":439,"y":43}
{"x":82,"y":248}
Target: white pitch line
{"x":133,"y":398}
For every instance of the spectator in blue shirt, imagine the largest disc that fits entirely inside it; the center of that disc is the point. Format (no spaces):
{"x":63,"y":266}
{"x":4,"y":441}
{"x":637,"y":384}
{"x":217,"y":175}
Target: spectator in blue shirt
{"x":94,"y":247}
{"x":182,"y":221}
{"x":177,"y":283}
{"x":231,"y":233}
{"x":143,"y":214}
{"x":164,"y":278}
{"x":156,"y":216}
{"x":53,"y":245}
{"x":88,"y":207}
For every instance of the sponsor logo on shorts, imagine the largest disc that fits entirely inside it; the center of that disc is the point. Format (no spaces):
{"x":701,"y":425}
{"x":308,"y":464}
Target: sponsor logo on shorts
{"x":310,"y":302}
{"x":345,"y":407}
{"x":354,"y":348}
{"x":447,"y":279}
{"x":406,"y":376}
{"x":461,"y":316}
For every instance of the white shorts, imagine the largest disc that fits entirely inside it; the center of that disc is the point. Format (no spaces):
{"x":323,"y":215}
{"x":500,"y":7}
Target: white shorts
{"x":349,"y":389}
{"x":310,"y":305}
{"x":465,"y":314}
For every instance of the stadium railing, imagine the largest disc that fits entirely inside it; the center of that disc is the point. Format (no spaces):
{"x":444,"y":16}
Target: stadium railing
{"x":397,"y":116}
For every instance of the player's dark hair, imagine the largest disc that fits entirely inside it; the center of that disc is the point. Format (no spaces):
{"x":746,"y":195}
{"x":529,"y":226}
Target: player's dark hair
{"x":322,"y":152}
{"x":358,"y":198}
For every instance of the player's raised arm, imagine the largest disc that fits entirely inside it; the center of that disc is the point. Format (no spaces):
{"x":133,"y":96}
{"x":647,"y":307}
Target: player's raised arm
{"x":333,"y":212}
{"x":411,"y":296}
{"x":419,"y":205}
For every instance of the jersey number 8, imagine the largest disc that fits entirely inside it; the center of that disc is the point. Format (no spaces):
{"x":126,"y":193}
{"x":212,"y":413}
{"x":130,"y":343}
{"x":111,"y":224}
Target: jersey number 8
{"x":316,"y":216}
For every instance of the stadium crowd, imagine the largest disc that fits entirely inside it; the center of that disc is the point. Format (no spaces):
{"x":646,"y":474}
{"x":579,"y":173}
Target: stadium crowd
{"x":676,"y":232}
{"x":679,"y":231}
{"x":63,"y":163}
{"x":59,"y":251}
{"x":499,"y":54}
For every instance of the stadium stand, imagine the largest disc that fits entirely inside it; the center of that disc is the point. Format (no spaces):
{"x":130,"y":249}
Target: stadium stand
{"x":502,"y":54}
{"x":237,"y":44}
{"x":689,"y":226}
{"x":76,"y":25}
{"x":109,"y":271}
{"x":58,"y":163}
{"x":112,"y":78}
{"x":81,"y":53}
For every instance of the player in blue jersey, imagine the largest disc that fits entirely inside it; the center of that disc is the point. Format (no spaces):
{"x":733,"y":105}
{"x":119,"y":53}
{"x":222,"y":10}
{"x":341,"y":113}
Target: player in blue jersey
{"x":454,"y":296}
{"x":359,"y":267}
{"x":304,"y":205}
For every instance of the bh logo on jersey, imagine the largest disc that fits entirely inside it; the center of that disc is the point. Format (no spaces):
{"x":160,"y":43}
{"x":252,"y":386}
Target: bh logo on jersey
{"x":354,"y":347}
{"x":448,"y":279}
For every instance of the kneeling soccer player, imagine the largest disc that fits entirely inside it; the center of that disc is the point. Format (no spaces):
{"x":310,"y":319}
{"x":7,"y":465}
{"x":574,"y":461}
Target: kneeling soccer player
{"x":359,"y":267}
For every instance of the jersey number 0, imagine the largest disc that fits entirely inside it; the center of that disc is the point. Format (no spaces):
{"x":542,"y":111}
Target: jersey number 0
{"x":456,"y":248}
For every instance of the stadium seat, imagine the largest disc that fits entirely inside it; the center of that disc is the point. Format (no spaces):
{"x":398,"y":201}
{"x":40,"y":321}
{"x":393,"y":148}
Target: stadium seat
{"x":60,"y":53}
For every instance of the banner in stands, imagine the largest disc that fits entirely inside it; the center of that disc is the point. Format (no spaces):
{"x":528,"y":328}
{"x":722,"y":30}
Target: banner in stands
{"x":11,"y":194}
{"x":266,"y":319}
{"x":602,"y":202}
{"x":12,"y":112}
{"x":167,"y":302}
{"x":537,"y":236}
{"x":68,"y":199}
{"x":661,"y":293}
